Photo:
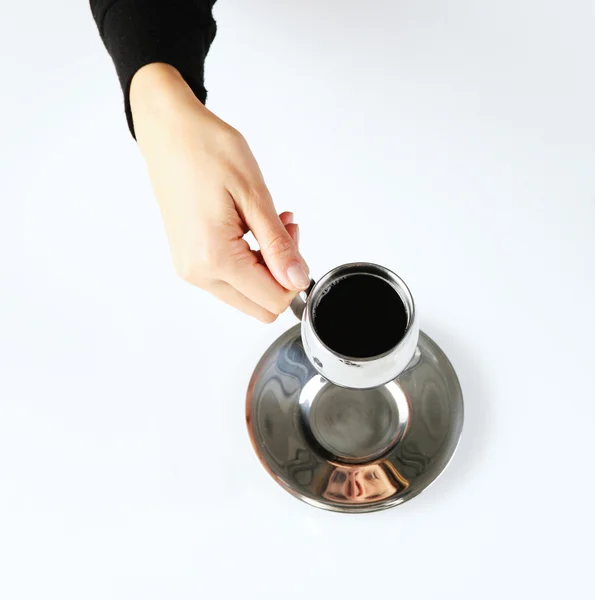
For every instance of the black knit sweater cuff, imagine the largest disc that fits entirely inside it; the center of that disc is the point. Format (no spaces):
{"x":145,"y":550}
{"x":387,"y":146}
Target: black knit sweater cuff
{"x":139,"y":32}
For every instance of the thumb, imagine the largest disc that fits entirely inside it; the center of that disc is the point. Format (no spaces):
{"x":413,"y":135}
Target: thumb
{"x":278,"y":248}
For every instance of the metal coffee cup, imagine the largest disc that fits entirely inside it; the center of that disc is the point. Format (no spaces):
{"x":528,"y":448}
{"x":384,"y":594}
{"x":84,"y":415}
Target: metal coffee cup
{"x":349,"y":371}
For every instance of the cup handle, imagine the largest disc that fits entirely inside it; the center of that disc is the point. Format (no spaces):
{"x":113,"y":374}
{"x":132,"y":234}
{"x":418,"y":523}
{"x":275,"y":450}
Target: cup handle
{"x":298,"y":304}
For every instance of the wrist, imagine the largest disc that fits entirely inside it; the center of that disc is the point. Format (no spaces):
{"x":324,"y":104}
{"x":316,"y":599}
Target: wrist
{"x":157,"y":90}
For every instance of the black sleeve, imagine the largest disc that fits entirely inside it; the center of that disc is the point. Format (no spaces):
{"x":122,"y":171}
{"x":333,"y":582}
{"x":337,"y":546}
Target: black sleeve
{"x":140,"y":32}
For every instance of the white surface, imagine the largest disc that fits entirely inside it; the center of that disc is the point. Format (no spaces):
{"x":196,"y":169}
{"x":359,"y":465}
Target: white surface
{"x":453,"y":142}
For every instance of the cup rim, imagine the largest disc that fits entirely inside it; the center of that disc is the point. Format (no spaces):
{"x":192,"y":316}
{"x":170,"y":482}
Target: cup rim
{"x":374,"y":270}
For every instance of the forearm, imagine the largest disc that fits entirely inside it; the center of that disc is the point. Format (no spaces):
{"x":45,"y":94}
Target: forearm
{"x":141,"y":32}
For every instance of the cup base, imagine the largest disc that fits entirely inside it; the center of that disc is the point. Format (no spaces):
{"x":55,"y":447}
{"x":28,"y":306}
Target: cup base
{"x":350,"y":425}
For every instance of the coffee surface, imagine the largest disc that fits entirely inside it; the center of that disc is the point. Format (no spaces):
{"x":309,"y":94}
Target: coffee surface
{"x":360,"y":316}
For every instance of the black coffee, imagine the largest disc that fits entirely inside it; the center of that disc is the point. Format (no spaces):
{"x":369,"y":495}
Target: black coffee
{"x":360,"y":316}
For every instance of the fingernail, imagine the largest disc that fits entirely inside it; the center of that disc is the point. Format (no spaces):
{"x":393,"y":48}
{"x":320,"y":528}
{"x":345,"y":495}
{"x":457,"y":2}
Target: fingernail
{"x":298,"y":276}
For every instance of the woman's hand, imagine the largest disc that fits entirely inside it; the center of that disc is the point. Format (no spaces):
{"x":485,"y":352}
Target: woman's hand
{"x":211,"y":193}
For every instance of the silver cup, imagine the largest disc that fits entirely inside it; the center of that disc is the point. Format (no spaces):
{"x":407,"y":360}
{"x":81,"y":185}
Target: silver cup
{"x":346,"y":371}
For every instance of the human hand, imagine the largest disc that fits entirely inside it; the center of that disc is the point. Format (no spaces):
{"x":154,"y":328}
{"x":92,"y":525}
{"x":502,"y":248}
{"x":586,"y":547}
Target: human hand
{"x":211,"y":193}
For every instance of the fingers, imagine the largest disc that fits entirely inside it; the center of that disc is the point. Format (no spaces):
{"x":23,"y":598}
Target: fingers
{"x":237,"y":275}
{"x":254,"y":280}
{"x":292,"y":229}
{"x":286,"y":217}
{"x":226,"y":293}
{"x":277,"y":246}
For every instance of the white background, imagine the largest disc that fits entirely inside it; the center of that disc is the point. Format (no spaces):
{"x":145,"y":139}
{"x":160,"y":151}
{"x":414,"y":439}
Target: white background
{"x":453,"y":142}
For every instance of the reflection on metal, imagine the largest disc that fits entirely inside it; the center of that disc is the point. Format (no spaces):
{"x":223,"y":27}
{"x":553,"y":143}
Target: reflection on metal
{"x":353,"y":450}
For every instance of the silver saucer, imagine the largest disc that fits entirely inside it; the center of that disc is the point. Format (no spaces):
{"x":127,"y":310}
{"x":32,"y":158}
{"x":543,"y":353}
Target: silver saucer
{"x":353,"y":450}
